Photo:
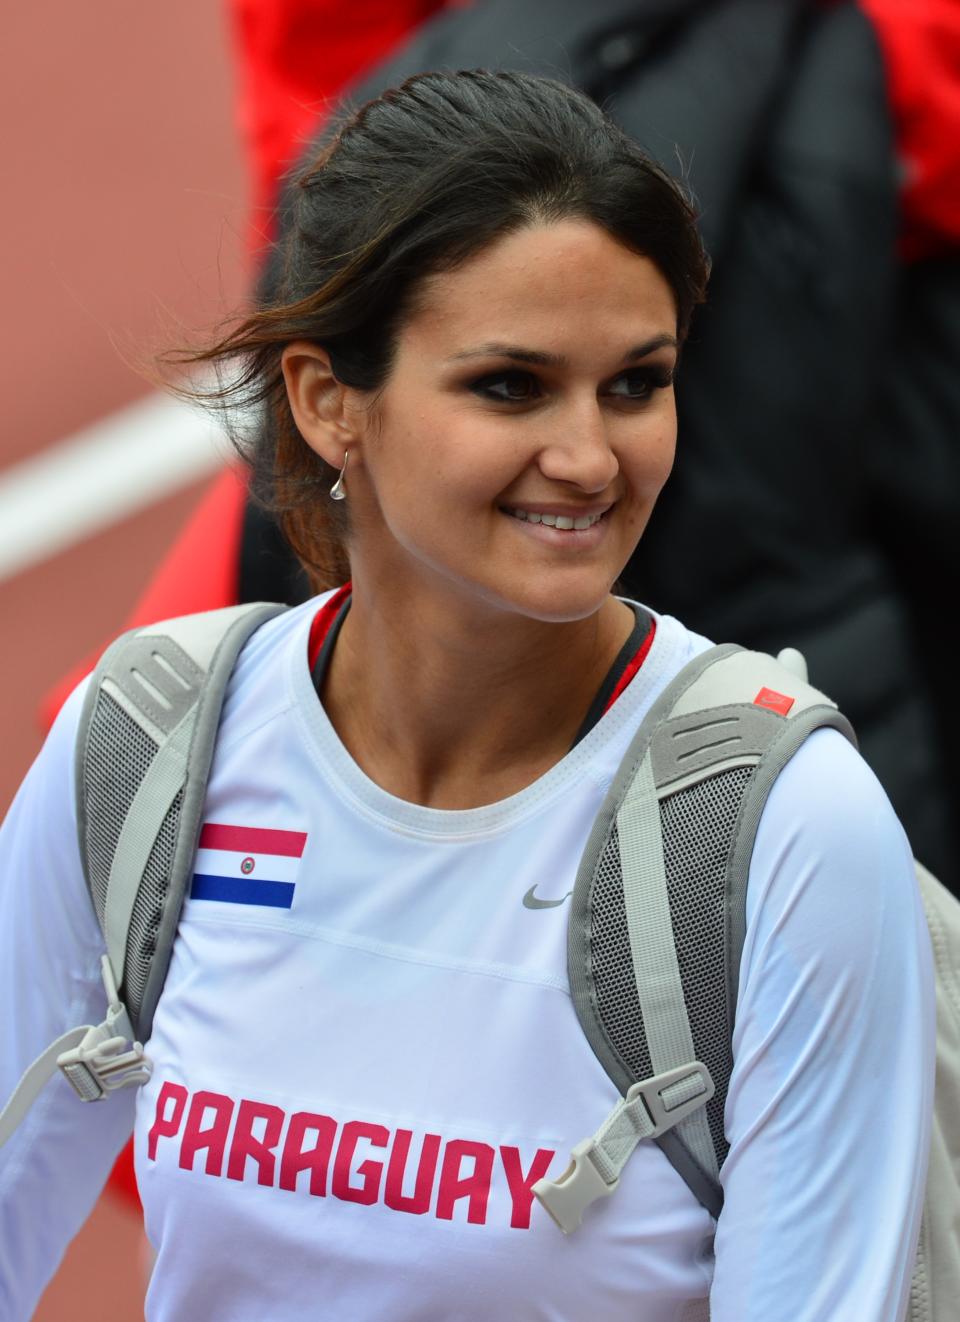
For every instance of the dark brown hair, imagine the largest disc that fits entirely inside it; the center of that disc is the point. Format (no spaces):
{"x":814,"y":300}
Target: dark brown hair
{"x":416,"y":182}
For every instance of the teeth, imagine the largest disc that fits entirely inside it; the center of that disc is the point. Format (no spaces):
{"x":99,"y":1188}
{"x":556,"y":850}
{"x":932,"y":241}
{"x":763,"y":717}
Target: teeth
{"x":561,"y":521}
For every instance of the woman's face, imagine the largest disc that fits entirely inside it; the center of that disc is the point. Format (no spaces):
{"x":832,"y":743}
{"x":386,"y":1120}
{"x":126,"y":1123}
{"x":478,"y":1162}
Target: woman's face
{"x":526,"y":429}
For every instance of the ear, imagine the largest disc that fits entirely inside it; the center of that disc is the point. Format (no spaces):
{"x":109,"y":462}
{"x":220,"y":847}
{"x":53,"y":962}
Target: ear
{"x":318,"y":400}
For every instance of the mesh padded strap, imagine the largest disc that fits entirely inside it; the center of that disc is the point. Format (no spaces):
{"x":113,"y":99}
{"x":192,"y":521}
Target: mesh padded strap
{"x":181,"y":725}
{"x":653,"y":948}
{"x":658,"y":910}
{"x":216,"y":639}
{"x":151,"y":803}
{"x":170,"y":679}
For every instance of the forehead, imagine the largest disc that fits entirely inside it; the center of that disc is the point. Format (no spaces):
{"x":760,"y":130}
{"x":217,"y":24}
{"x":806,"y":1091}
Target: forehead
{"x":542,"y":285}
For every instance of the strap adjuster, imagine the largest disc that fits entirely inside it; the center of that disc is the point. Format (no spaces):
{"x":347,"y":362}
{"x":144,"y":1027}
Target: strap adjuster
{"x":673,"y":1095}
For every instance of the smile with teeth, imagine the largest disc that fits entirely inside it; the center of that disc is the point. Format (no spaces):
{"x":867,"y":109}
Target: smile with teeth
{"x":560,"y":521}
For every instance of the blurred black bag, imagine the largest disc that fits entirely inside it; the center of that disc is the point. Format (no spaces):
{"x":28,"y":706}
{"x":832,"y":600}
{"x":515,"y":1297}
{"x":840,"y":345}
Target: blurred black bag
{"x":774,"y":527}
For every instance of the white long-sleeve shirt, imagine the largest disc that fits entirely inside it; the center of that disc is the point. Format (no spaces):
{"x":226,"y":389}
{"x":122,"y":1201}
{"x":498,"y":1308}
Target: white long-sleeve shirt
{"x":359,"y":1075}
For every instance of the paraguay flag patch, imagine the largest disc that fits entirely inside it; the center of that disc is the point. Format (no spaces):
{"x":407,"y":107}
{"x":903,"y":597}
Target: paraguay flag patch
{"x":247,"y":865}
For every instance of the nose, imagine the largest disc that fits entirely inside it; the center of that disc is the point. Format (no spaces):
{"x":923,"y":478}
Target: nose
{"x":579,"y":450}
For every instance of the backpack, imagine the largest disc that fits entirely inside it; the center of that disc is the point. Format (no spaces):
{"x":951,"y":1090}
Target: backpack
{"x":657,"y":919}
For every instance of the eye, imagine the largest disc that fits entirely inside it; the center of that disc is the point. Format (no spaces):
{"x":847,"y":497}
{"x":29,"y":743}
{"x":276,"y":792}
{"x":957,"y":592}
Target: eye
{"x":507,"y":387}
{"x":639,"y":383}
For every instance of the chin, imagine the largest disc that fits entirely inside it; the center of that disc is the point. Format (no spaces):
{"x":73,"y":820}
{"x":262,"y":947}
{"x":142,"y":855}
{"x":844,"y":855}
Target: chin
{"x":551,"y":605}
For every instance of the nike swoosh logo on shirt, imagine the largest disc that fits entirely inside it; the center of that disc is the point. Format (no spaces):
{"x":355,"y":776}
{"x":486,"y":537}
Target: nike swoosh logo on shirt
{"x":530,"y":900}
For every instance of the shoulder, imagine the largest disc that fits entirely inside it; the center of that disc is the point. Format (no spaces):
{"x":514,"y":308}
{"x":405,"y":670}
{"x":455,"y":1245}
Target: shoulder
{"x":835,"y":996}
{"x":50,"y":780}
{"x":44,"y":902}
{"x":832,"y":897}
{"x":827,"y":812}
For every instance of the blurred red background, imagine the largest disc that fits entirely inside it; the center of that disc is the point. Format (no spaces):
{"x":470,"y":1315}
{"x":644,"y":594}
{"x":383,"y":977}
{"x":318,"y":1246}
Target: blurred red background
{"x":125,"y":218}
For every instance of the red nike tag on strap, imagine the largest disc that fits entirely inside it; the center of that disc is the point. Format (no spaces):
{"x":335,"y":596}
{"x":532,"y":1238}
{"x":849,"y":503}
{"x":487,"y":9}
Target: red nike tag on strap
{"x":774,"y":701}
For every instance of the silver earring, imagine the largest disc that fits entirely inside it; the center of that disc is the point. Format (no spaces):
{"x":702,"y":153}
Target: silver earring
{"x":338,"y":490}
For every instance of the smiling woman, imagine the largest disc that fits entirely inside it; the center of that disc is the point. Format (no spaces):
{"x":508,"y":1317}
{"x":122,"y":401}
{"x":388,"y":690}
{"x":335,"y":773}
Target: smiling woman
{"x":493,"y":499}
{"x":462,"y":442}
{"x":487,"y":290}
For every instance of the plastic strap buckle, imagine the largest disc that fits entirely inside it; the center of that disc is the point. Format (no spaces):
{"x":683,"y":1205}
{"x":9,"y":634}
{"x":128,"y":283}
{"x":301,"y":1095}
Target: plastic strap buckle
{"x":567,"y":1198}
{"x":98,"y":1064}
{"x":649,"y":1109}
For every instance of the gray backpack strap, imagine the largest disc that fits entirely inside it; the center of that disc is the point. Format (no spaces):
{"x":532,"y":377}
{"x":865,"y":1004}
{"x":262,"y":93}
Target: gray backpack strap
{"x":657,"y":918}
{"x":144,"y":748}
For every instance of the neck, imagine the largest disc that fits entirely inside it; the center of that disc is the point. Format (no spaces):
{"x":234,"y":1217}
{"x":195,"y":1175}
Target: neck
{"x":446,"y":709}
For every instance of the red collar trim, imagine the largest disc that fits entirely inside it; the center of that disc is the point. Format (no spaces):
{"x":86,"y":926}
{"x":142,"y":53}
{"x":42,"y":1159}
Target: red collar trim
{"x":633,"y":665}
{"x":322,"y":621}
{"x":328,"y":612}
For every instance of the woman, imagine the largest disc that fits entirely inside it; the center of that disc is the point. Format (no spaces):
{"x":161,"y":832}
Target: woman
{"x":354,"y":1092}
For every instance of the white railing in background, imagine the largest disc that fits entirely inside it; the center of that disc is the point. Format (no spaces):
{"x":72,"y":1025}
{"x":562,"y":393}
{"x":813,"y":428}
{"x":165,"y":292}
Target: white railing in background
{"x":107,"y":471}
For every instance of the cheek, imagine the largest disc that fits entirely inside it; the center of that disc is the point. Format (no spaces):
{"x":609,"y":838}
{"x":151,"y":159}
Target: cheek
{"x":447,"y":455}
{"x":426,"y":469}
{"x":648,"y":461}
{"x":667,"y":454}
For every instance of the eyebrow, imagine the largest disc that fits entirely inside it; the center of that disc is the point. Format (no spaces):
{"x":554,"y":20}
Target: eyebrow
{"x":540,"y":358}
